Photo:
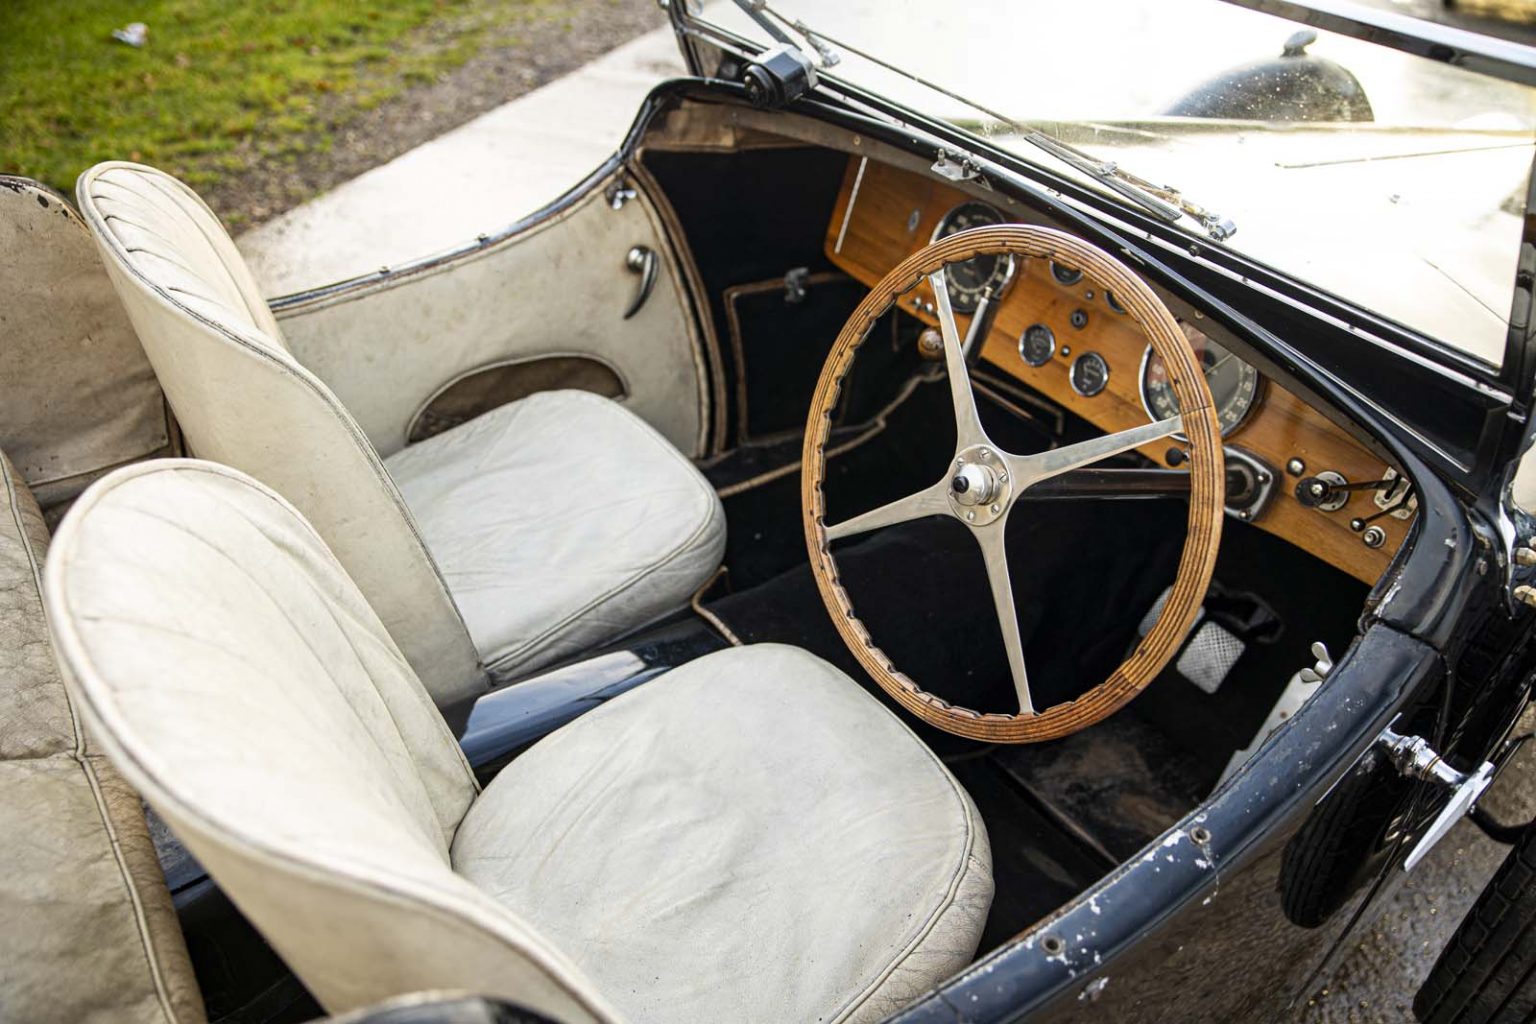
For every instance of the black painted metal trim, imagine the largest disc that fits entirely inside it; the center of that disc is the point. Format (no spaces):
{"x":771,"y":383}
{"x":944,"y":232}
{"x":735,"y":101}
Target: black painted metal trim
{"x":1447,"y":44}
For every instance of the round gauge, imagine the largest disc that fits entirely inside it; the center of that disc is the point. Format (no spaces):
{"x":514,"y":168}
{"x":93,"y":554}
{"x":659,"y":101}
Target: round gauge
{"x":973,"y":278}
{"x":1090,"y":373}
{"x":1064,"y":274}
{"x":1037,"y":344}
{"x":1114,"y":303}
{"x":1234,"y":384}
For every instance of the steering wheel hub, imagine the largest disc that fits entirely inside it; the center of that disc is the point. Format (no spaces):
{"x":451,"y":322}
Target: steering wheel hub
{"x":980,"y":490}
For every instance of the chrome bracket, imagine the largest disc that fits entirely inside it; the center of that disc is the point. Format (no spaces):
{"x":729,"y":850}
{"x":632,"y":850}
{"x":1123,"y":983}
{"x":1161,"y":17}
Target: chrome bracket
{"x":619,"y":193}
{"x":1296,"y":693}
{"x":947,"y":166}
{"x":1258,"y":484}
{"x":1414,"y":758}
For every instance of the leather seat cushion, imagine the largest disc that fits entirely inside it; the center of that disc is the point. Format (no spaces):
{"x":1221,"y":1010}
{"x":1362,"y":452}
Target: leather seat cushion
{"x":560,"y":521}
{"x":750,"y":837}
{"x":87,"y":929}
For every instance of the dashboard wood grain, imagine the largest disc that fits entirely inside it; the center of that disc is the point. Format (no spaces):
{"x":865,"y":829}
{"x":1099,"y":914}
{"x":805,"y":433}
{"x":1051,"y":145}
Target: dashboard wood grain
{"x":895,"y":212}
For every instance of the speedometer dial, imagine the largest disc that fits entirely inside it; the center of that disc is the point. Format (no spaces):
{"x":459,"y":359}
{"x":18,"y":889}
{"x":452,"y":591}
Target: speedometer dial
{"x":973,"y":278}
{"x":1234,"y":384}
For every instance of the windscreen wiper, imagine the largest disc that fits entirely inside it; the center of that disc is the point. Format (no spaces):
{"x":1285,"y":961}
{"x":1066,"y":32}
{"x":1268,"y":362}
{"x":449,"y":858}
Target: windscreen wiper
{"x":1163,"y":201}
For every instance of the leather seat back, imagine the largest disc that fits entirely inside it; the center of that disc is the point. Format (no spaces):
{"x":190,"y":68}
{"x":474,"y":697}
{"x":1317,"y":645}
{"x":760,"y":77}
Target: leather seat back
{"x":243,"y":400}
{"x":242,"y":682}
{"x":77,"y":396}
{"x":87,"y":929}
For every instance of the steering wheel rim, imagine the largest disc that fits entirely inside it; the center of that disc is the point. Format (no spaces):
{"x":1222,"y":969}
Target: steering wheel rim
{"x":1001,"y":477}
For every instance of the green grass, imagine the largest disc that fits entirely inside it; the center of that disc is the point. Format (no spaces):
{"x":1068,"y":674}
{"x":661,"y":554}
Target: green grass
{"x":221,"y":85}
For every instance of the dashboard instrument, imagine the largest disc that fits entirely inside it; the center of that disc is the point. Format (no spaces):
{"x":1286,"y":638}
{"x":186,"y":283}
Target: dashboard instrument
{"x":976,"y":277}
{"x":1061,"y":334}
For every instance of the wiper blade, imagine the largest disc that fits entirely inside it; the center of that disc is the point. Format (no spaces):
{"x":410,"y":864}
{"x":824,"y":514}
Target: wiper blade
{"x":1163,"y":201}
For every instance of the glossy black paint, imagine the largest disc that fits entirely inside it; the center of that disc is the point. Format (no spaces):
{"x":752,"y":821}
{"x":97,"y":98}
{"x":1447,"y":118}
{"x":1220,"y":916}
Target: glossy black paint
{"x":1295,"y":87}
{"x":1479,"y":51}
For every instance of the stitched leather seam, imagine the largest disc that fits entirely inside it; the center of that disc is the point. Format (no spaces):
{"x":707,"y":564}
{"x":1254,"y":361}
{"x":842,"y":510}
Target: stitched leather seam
{"x":962,"y":868}
{"x":283,"y":611}
{"x":255,"y":314}
{"x":305,"y":379}
{"x":74,"y":649}
{"x":141,"y":920}
{"x":493,"y":662}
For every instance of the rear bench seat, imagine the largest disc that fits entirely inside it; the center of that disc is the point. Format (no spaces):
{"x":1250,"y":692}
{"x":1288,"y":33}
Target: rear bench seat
{"x":87,"y":930}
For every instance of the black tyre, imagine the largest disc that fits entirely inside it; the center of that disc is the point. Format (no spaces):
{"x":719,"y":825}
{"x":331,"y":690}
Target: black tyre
{"x":1487,"y":973}
{"x":1341,"y":843}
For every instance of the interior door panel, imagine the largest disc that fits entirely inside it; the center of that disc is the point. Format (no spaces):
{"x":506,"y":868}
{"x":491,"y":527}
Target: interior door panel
{"x":557,"y":288}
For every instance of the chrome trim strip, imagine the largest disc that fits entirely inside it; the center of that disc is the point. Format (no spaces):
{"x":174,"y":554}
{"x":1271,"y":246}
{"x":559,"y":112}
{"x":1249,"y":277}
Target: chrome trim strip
{"x":853,"y":197}
{"x":284,"y":303}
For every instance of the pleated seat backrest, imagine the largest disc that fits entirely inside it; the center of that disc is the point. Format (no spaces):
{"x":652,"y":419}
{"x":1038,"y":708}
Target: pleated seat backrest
{"x":238,"y":678}
{"x":244,"y":401}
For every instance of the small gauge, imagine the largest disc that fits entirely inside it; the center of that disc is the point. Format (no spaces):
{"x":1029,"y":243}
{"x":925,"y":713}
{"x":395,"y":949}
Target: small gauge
{"x":1090,"y":374}
{"x":1234,"y":384}
{"x":1037,"y":344}
{"x":970,"y":279}
{"x":1114,"y":303}
{"x":1064,"y":274}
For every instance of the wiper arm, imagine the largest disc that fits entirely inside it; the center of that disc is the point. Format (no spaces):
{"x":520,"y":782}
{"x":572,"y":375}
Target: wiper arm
{"x":759,"y":11}
{"x":1163,"y":201}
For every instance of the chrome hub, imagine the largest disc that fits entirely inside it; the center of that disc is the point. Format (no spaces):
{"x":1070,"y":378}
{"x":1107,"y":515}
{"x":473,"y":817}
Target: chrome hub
{"x":979,"y":488}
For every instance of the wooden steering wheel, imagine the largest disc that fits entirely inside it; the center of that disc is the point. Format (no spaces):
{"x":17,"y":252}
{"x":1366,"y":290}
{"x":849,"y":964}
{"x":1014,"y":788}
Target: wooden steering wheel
{"x":982,"y":483}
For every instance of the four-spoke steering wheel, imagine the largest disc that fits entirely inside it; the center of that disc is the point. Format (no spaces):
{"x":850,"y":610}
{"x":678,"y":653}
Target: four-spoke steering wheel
{"x":982,"y":483}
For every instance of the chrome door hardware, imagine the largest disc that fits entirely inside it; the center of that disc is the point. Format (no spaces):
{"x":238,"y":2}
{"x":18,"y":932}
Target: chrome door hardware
{"x":1416,"y":759}
{"x":641,"y":260}
{"x":1296,"y":693}
{"x":619,"y":193}
{"x":1318,"y":672}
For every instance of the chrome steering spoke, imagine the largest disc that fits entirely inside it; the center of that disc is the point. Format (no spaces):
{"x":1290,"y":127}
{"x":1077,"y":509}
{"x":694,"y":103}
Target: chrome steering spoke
{"x":994,"y":551}
{"x":968,"y":430}
{"x":1031,"y":469}
{"x":931,"y":501}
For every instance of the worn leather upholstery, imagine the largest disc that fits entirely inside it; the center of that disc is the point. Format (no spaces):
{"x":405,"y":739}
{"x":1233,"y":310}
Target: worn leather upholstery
{"x":77,"y":396}
{"x":751,"y":837}
{"x":756,"y":807}
{"x":87,"y":930}
{"x":613,"y":526}
{"x":243,"y":400}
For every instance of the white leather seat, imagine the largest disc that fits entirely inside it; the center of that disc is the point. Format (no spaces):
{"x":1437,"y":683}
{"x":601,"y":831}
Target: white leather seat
{"x":243,"y":400}
{"x":750,"y":837}
{"x":559,"y":521}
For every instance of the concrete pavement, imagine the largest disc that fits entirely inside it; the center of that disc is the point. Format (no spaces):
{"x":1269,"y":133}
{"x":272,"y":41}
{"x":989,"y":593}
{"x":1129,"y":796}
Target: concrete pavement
{"x":477,"y":178}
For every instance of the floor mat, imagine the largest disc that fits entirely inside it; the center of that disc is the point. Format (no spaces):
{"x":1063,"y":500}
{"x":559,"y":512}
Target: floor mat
{"x":1035,"y":865}
{"x":1121,"y":782}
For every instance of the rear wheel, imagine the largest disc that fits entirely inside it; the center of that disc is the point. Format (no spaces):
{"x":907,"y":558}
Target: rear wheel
{"x":1487,"y":973}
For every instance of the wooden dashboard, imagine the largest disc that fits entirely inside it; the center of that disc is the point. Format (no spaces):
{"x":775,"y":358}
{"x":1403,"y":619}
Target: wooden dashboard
{"x":884,"y":214}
